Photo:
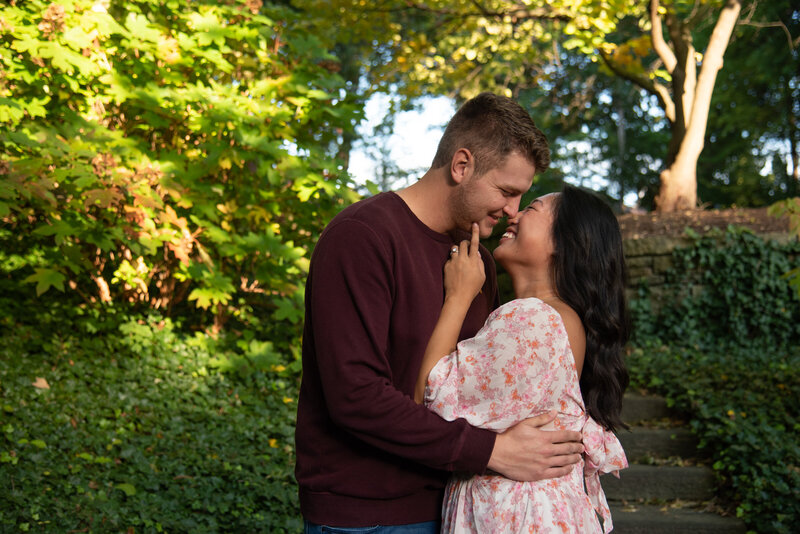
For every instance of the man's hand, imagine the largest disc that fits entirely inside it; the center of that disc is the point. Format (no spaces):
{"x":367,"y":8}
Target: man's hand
{"x":526,"y":452}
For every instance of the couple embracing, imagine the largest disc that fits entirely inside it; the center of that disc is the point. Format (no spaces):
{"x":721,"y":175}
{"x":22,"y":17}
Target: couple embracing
{"x":424,"y":405}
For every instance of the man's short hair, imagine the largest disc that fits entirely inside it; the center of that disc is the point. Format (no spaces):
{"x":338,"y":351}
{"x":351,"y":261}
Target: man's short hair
{"x":491,"y":126}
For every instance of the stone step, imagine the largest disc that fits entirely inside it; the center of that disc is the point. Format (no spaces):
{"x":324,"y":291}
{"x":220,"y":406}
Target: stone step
{"x":637,"y":408}
{"x":642,"y":442}
{"x":671,"y":484}
{"x":690,"y":483}
{"x":648,"y":519}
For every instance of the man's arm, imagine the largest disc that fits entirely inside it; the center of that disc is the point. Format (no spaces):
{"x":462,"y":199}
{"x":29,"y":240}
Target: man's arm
{"x":351,"y":303}
{"x":526,"y":452}
{"x":530,"y":450}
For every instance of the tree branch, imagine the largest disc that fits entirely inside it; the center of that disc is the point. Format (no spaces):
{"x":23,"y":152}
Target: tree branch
{"x":684,"y":77}
{"x":712,"y":63}
{"x":792,"y":42}
{"x":657,"y":37}
{"x":646,"y":83}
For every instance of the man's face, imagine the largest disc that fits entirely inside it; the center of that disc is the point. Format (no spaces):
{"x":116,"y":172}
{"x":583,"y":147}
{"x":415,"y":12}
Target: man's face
{"x":495,"y":194}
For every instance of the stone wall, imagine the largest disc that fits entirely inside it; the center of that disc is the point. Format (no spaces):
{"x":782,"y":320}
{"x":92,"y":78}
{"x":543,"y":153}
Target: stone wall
{"x":649,"y":258}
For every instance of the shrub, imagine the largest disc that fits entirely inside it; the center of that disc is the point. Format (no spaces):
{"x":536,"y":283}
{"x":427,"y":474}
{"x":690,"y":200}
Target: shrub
{"x":180,"y":156}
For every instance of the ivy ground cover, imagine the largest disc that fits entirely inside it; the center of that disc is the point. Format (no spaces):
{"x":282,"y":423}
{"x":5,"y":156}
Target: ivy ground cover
{"x":124,"y":425}
{"x":725,"y":350}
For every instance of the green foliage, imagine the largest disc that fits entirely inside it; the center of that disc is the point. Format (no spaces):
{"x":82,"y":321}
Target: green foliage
{"x":743,"y":407}
{"x":727,"y":288}
{"x":174,"y":155}
{"x":608,"y":130}
{"x":588,"y":73}
{"x":723,"y":348}
{"x":752,"y":120}
{"x":158,"y":155}
{"x":150,"y":439}
{"x":790,"y":208}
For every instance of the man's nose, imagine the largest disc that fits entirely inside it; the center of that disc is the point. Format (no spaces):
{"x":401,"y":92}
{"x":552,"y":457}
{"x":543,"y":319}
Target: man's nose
{"x":512,"y":207}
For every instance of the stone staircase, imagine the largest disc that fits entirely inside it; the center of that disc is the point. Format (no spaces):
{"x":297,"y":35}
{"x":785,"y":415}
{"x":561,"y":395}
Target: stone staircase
{"x":667,"y":488}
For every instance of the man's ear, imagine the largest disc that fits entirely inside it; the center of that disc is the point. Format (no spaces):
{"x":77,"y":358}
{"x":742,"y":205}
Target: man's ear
{"x":462,"y":166}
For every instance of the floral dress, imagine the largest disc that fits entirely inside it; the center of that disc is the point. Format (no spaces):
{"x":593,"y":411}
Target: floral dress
{"x":518,"y":366}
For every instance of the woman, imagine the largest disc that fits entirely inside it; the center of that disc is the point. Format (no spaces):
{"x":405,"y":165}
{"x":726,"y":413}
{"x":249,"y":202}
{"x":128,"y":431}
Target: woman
{"x":557,"y":346}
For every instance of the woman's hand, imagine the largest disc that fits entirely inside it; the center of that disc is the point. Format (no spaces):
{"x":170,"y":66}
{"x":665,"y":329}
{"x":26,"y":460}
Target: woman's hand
{"x":463,"y":279}
{"x":464,"y":271}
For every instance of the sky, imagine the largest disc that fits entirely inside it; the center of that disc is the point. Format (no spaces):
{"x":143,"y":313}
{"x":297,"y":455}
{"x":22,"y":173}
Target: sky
{"x":415,"y":137}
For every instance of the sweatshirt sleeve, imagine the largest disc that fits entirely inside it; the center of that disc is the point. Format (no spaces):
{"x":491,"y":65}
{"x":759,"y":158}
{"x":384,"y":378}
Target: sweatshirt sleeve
{"x":352,"y":289}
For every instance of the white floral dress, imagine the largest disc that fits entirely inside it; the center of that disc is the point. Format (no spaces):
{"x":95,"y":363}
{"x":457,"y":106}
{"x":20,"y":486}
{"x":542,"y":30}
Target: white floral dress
{"x":520,"y":365}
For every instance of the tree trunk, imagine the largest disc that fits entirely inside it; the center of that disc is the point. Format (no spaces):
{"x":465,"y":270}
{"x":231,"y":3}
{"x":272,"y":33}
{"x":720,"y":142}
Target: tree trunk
{"x":678,"y":189}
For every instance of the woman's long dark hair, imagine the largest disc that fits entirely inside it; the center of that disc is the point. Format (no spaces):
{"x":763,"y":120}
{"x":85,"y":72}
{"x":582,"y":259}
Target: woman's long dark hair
{"x":590,"y":275}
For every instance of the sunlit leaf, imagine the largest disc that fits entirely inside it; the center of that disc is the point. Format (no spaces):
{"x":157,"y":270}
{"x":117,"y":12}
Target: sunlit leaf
{"x":41,"y":383}
{"x":126,"y":488}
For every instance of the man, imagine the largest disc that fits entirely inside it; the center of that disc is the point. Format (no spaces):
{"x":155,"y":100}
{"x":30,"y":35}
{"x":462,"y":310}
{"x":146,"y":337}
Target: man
{"x":367,"y":454}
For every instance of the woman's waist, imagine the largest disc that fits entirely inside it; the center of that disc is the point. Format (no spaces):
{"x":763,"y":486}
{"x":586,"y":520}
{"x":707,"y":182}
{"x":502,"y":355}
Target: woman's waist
{"x":490,"y":479}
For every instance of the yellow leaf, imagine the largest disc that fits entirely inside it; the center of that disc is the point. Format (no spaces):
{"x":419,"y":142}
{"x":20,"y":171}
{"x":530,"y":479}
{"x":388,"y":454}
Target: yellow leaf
{"x":40,"y":383}
{"x":273,"y":443}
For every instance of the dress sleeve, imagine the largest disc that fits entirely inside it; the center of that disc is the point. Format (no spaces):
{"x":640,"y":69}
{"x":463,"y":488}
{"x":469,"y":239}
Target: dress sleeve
{"x":513,"y":369}
{"x":603,"y":454}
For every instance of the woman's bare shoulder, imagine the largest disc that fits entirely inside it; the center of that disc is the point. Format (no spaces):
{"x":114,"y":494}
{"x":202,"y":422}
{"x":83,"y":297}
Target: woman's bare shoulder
{"x":575,"y":331}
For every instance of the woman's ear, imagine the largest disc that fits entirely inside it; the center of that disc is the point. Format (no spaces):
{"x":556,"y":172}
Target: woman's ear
{"x":462,"y":166}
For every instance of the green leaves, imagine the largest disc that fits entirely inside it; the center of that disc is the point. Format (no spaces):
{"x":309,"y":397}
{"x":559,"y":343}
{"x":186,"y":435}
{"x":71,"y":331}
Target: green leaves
{"x":140,"y":29}
{"x":141,"y":432}
{"x":741,"y":406}
{"x":724,"y":350}
{"x":216,"y":289}
{"x":730,"y":287}
{"x":10,"y":110}
{"x":127,"y":489}
{"x":45,"y":278}
{"x":151,"y":156}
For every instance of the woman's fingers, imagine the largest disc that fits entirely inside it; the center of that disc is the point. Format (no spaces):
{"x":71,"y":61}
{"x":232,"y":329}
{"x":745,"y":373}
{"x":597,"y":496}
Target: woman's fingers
{"x":470,"y":248}
{"x":475,"y":240}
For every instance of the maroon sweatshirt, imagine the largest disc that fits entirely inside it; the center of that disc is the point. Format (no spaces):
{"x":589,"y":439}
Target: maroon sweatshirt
{"x":367,"y":454}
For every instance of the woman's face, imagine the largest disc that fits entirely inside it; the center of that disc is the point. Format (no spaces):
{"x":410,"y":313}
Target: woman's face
{"x":528,"y":241}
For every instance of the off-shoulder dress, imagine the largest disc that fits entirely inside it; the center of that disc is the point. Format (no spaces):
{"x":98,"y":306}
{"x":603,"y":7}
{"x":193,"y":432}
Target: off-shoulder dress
{"x":520,"y":365}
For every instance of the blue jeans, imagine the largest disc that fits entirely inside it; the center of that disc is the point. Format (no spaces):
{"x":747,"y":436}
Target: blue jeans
{"x":430,"y":527}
